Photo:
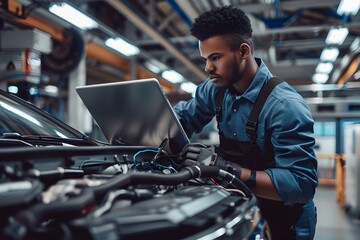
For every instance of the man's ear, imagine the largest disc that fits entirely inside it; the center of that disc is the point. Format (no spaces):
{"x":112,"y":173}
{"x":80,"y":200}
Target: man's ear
{"x":245,"y":49}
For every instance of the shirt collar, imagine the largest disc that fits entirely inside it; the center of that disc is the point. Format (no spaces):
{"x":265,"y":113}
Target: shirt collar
{"x":262,"y":75}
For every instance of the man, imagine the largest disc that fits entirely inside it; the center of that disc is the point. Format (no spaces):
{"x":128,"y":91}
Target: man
{"x":272,"y":152}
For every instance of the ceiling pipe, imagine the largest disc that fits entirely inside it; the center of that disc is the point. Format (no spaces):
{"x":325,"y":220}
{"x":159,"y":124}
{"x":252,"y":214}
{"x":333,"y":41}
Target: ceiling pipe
{"x":187,"y":8}
{"x":179,"y":11}
{"x":327,"y":87}
{"x":348,"y":64}
{"x":266,"y":32}
{"x":124,"y":8}
{"x":286,"y":5}
{"x":350,"y":69}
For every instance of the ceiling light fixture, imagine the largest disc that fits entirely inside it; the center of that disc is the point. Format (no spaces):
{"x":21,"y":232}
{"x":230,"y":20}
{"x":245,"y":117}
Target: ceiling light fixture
{"x":152,"y":67}
{"x":329,"y":54}
{"x":172,"y":76}
{"x":122,"y":46}
{"x":337,"y":35}
{"x":348,"y":7}
{"x":324,"y":68}
{"x":73,"y":16}
{"x":188,"y":87}
{"x":13,"y":89}
{"x":155,"y":66}
{"x":51,"y":89}
{"x":320,"y":78}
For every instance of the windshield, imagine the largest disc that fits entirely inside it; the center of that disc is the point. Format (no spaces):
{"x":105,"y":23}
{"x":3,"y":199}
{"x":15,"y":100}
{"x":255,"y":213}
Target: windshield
{"x":18,"y":118}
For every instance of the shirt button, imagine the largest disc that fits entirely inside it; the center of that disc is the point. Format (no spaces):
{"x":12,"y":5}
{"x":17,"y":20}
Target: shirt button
{"x":234,"y":110}
{"x":234,"y":133}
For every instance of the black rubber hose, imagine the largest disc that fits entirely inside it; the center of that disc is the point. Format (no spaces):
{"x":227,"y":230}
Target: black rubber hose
{"x":150,"y":178}
{"x":57,"y":174}
{"x":234,"y":181}
{"x":73,"y":207}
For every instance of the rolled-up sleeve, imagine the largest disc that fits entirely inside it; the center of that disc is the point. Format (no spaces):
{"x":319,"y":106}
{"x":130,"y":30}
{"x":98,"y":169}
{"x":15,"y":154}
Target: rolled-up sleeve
{"x":295,"y":171}
{"x":197,"y":112}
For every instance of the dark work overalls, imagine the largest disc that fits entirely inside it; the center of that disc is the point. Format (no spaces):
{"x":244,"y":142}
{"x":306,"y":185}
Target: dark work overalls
{"x":281,"y":218}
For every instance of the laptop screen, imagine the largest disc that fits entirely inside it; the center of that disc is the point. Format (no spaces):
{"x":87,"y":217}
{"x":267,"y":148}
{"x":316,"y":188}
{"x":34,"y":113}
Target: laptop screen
{"x":133,"y":112}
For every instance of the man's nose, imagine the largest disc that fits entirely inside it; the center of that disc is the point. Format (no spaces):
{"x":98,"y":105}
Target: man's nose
{"x":209,"y":67}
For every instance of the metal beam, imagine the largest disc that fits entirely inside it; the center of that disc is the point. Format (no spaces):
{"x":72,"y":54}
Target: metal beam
{"x":310,"y":44}
{"x":140,"y":22}
{"x":327,"y":87}
{"x":298,"y":29}
{"x":266,"y":32}
{"x":287,"y":5}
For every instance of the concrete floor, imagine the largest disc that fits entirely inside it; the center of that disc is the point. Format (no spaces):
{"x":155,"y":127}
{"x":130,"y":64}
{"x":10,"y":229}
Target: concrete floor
{"x":333,"y":222}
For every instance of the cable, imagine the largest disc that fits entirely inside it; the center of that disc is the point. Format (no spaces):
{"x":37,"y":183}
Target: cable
{"x":143,"y":151}
{"x":161,"y":148}
{"x":236,"y":190}
{"x":89,"y":197}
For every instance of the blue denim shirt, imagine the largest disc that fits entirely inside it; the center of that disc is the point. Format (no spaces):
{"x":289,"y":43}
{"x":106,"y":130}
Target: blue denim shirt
{"x":285,"y":116}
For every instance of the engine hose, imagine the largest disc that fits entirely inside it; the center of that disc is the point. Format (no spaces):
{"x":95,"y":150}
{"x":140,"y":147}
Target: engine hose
{"x":122,"y":181}
{"x":122,"y":194}
{"x":60,"y":210}
{"x":234,"y":181}
{"x":149,"y":178}
{"x":55,"y":175}
{"x":75,"y":206}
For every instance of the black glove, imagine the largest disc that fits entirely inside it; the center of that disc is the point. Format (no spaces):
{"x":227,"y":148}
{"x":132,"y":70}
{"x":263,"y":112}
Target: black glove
{"x":228,"y":166}
{"x":199,"y":153}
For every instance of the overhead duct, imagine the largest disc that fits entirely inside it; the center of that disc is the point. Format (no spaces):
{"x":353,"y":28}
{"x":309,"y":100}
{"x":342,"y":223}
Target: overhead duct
{"x":124,"y":9}
{"x":348,"y":65}
{"x":331,"y":108}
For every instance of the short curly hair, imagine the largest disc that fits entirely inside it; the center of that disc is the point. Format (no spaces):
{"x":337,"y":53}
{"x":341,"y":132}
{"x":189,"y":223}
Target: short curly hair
{"x":228,"y":21}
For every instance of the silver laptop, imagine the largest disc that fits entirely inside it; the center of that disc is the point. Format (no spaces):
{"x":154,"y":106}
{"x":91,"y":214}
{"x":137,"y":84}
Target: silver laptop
{"x":134,"y":112}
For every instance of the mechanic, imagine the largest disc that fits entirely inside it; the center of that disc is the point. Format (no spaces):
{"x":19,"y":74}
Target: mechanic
{"x":269,"y":146}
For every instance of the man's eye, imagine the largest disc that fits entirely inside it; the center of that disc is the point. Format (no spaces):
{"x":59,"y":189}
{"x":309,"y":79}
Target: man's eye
{"x":215,"y":58}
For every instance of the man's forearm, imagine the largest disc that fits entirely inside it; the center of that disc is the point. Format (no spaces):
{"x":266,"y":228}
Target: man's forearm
{"x":264,"y":185}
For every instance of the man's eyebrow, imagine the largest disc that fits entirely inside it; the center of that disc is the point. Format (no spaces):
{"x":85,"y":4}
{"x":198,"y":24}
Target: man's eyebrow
{"x":208,"y":57}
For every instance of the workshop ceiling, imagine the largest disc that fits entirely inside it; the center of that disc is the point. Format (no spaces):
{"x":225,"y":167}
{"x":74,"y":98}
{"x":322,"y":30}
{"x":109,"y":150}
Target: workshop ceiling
{"x":288,"y":34}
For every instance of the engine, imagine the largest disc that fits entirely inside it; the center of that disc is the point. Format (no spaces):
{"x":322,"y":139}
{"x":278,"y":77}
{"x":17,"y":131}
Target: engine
{"x":121,"y":192}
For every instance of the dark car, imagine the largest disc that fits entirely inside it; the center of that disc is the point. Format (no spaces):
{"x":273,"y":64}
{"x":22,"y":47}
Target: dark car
{"x":57,"y":183}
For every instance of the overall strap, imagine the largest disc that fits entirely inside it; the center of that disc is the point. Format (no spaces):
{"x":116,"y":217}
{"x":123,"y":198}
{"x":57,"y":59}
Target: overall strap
{"x":219,"y":101}
{"x":265,"y":91}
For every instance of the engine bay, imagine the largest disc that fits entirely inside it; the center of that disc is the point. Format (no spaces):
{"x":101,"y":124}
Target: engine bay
{"x":120,"y":192}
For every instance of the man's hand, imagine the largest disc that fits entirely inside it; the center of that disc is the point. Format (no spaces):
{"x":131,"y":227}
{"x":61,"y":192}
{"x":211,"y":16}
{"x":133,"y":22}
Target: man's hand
{"x":228,"y":166}
{"x":199,"y":153}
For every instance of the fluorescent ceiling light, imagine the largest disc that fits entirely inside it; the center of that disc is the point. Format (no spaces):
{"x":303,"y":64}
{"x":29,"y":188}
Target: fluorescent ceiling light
{"x":51,"y":89}
{"x":122,"y":46}
{"x":320,"y":78}
{"x":188,"y":87}
{"x":13,"y":89}
{"x":337,"y":35}
{"x":172,"y":76}
{"x":155,"y":66}
{"x":73,"y":16}
{"x":324,"y":68}
{"x":33,"y":91}
{"x":152,"y":67}
{"x":329,"y":54}
{"x":348,"y":7}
